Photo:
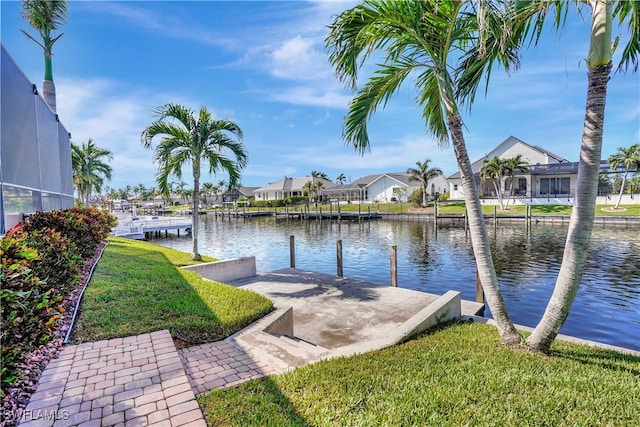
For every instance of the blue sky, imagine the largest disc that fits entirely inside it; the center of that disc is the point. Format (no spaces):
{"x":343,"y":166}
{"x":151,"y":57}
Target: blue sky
{"x":263,"y":65}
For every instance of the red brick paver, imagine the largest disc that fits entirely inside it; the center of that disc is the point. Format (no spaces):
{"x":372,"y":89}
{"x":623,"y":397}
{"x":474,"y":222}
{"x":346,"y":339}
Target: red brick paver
{"x":132,"y":381}
{"x":220,"y":365}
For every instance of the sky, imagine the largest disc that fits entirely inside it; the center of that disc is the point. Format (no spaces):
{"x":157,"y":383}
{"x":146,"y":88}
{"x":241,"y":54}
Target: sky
{"x":264,"y":66}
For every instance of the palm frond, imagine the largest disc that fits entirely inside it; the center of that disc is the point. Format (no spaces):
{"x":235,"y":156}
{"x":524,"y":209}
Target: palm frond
{"x":629,"y":12}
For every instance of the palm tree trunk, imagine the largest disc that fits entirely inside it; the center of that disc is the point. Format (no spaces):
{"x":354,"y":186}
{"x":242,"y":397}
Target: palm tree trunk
{"x":624,"y":181}
{"x":496,"y":186}
{"x":479,"y":236}
{"x":49,"y":94}
{"x":196,"y":217}
{"x":510,"y":192}
{"x":424,"y":195}
{"x":582,"y":215}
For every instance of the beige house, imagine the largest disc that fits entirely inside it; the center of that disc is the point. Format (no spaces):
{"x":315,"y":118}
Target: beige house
{"x":549,"y":177}
{"x":287,"y":187}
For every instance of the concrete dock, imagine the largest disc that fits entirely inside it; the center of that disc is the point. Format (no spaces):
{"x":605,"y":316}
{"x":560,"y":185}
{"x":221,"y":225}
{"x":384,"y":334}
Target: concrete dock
{"x":145,"y":380}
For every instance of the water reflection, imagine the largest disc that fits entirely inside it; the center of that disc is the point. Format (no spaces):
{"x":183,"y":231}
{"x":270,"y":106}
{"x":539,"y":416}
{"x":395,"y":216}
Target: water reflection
{"x":606,"y":308}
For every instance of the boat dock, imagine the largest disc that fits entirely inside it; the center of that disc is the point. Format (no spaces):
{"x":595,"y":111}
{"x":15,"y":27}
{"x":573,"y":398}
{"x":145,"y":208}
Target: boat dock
{"x":141,"y":228}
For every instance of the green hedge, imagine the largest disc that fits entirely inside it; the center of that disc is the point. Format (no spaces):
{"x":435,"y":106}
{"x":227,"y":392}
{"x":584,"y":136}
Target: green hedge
{"x":293,"y":200}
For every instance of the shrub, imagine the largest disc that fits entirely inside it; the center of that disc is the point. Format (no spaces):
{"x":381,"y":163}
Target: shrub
{"x":28,"y":305}
{"x":292,"y":200}
{"x":59,"y":262}
{"x":444,"y":196}
{"x":86,"y":227}
{"x":416,"y":197}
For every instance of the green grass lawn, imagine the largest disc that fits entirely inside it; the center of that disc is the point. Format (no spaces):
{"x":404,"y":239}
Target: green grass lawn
{"x":137,"y":288}
{"x":458,"y":375}
{"x":450,"y":208}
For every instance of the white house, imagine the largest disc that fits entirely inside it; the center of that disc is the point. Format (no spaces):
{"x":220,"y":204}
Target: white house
{"x":548,"y":176}
{"x":386,"y":187}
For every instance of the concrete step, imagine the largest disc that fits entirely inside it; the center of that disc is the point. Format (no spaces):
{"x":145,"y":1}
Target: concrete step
{"x":280,"y":351}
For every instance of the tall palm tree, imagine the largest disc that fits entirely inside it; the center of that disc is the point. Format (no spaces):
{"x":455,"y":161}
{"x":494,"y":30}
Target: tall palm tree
{"x":534,"y":14}
{"x":46,"y":16}
{"x":629,"y":159}
{"x":511,"y":166}
{"x":446,"y":47}
{"x":190,"y":139}
{"x":423,"y":174}
{"x":341,"y":179}
{"x":89,"y":168}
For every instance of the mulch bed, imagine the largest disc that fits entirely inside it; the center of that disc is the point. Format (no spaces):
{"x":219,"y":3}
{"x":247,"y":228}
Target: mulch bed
{"x":34,"y":362}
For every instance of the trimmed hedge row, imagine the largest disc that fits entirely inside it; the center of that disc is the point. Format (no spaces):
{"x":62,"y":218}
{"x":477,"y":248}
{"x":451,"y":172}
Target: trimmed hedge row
{"x":41,"y":260}
{"x":292,"y":200}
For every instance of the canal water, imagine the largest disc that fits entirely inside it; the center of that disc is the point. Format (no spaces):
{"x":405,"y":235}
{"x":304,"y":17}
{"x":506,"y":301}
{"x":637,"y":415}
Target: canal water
{"x":606,"y":308}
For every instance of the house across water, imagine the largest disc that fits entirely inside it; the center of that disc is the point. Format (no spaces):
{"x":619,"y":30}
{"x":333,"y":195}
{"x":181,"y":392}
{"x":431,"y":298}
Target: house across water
{"x":548,"y":178}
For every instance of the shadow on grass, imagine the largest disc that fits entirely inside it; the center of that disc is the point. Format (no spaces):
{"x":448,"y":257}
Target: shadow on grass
{"x":138,"y":290}
{"x":602,"y":358}
{"x":551,"y":209}
{"x":256,"y":403}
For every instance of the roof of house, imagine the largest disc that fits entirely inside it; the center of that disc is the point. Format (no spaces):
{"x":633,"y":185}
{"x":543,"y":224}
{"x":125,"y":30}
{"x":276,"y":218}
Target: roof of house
{"x":502,"y":147}
{"x":290,"y":184}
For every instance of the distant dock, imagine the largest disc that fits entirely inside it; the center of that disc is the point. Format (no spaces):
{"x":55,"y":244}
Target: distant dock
{"x":300,"y":214}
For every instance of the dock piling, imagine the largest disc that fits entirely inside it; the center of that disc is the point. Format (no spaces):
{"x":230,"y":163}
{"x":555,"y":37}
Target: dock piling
{"x":292,"y":251}
{"x":394,"y":266}
{"x":339,"y":257}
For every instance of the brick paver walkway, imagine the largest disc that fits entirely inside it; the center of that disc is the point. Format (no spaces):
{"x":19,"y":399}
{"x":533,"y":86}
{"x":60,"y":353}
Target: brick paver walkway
{"x":133,"y":381}
{"x":220,"y":365}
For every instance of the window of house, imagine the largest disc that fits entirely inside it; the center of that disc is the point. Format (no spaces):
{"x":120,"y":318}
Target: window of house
{"x":553,"y":186}
{"x":455,"y":187}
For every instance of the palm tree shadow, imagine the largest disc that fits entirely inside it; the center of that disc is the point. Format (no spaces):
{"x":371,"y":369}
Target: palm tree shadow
{"x":305,"y":284}
{"x":602,"y":358}
{"x":256,"y":403}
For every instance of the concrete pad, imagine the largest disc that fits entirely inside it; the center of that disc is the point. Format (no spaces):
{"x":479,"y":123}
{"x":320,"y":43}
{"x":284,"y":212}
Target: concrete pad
{"x":334,"y":312}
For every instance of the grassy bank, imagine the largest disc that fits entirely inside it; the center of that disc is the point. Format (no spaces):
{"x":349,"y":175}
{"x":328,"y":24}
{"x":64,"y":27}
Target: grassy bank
{"x":457,"y":208}
{"x":458,"y":375}
{"x":137,"y":287}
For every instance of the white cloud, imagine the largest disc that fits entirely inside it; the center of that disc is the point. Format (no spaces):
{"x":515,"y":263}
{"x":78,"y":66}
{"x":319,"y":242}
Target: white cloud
{"x":166,"y":25}
{"x":311,"y":96}
{"x":389,"y":156}
{"x":298,"y":59}
{"x":113,"y":115}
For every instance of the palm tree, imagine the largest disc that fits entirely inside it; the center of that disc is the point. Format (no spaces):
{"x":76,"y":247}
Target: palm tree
{"x":445,"y":47}
{"x":511,"y":166}
{"x":194,"y":139}
{"x":533,"y":15}
{"x":493,"y":171}
{"x":341,"y":179}
{"x":317,"y":188}
{"x":207,"y":190}
{"x":423,"y":174}
{"x":46,"y":16}
{"x":316,"y":174}
{"x":89,"y":168}
{"x":629,"y":158}
{"x":308,"y":187}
